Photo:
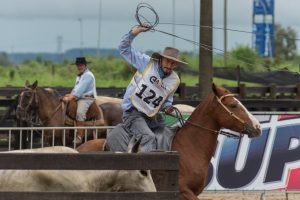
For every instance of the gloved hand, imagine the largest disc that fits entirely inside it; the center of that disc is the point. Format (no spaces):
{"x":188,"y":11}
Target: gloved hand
{"x":169,"y":110}
{"x":138,"y":29}
{"x":68,"y":97}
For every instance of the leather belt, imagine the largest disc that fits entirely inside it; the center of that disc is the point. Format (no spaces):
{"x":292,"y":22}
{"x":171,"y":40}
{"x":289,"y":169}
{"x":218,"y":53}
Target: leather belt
{"x":88,"y":96}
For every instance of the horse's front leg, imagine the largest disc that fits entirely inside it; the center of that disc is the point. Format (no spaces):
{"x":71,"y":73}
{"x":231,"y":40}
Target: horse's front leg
{"x":187,"y":194}
{"x":68,"y":138}
{"x":57,"y":138}
{"x":189,"y":187}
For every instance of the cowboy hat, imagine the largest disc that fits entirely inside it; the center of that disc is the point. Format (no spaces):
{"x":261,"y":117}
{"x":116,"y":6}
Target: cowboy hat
{"x":80,"y":60}
{"x":169,"y":53}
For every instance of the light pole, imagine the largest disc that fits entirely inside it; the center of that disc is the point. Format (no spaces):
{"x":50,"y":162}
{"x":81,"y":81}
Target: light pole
{"x":173,"y":20}
{"x":225,"y":33}
{"x":99,"y":27}
{"x":194,"y":32}
{"x":81,"y":36}
{"x":59,"y":40}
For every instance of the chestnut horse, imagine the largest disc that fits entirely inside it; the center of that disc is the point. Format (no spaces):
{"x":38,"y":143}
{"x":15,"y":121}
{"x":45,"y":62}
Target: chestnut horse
{"x":196,"y":140}
{"x":50,"y":110}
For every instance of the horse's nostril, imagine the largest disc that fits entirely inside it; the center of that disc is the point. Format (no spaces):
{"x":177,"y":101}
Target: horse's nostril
{"x":252,"y":130}
{"x":258,"y":131}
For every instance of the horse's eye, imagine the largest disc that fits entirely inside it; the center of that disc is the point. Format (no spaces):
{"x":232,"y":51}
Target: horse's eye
{"x":144,"y":172}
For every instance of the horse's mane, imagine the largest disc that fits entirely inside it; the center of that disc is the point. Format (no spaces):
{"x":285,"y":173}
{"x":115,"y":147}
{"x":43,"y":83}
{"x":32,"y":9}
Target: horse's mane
{"x":204,"y":107}
{"x":208,"y":103}
{"x":50,"y":93}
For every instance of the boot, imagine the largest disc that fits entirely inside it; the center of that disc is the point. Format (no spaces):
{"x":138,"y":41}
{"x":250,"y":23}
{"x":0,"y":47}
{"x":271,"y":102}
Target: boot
{"x":80,"y":133}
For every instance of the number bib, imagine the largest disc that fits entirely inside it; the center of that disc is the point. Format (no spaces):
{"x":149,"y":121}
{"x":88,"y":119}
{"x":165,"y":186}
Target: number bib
{"x":151,"y":91}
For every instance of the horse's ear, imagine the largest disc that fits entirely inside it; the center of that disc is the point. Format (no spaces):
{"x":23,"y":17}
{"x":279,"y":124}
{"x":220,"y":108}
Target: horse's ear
{"x":34,"y":85}
{"x":214,"y":88}
{"x":27,"y":83}
{"x":134,"y":145}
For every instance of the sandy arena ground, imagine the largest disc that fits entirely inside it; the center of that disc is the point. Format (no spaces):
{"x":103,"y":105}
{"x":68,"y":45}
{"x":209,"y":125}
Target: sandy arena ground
{"x":250,"y":195}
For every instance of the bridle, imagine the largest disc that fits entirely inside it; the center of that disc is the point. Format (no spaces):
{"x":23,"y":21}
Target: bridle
{"x":228,"y":111}
{"x":34,"y":99}
{"x":222,"y":132}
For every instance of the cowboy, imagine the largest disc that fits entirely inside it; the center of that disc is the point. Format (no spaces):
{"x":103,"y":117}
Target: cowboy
{"x":84,"y":92}
{"x":151,"y":89}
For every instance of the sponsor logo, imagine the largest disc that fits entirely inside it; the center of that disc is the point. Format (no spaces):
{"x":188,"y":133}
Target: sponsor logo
{"x":155,"y":80}
{"x":269,"y":162}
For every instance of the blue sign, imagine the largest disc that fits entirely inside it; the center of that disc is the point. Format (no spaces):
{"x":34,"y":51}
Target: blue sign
{"x":263,"y":27}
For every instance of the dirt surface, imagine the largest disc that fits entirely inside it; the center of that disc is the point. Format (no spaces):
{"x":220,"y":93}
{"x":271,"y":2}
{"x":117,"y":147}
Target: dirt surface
{"x":250,"y":195}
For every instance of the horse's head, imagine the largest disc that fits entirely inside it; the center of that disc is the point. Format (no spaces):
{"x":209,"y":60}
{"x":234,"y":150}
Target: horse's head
{"x":232,"y":114}
{"x":27,"y":102}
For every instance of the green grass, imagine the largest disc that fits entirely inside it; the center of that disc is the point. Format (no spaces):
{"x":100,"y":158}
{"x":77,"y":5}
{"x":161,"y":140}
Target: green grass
{"x":108,"y":71}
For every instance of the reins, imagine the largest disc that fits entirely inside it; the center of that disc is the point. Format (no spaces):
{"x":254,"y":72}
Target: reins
{"x":60,"y":104}
{"x":181,"y":120}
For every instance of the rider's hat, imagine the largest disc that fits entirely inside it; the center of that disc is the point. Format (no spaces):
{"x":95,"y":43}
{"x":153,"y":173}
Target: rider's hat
{"x":169,"y":53}
{"x":80,"y":60}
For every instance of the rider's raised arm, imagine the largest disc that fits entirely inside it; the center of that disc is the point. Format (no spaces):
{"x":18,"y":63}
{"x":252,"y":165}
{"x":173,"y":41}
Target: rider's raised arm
{"x":136,"y":58}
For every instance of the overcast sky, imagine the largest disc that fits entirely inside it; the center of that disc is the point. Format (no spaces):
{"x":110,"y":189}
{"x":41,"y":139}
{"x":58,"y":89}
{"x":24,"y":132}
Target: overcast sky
{"x":34,"y":25}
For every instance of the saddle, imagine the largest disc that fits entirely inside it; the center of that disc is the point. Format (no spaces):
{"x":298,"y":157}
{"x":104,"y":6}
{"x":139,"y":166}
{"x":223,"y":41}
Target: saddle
{"x":94,"y":115}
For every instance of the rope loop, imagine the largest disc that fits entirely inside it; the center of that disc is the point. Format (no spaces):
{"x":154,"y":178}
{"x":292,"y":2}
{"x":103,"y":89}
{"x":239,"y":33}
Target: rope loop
{"x":150,"y":12}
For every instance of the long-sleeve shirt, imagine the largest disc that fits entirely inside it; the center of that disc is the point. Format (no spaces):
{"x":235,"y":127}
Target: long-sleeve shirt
{"x":85,"y":85}
{"x":139,"y":61}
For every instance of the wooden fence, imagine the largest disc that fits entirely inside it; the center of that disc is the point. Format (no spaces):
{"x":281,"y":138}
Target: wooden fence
{"x":167,"y":161}
{"x":263,"y":98}
{"x":189,"y":92}
{"x":260,"y":92}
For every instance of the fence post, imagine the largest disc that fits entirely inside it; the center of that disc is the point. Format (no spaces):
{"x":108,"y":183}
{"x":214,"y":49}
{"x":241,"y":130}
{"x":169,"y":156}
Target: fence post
{"x":181,"y":90}
{"x":273,"y":91}
{"x":298,"y":91}
{"x":242,"y":91}
{"x":238,"y":75}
